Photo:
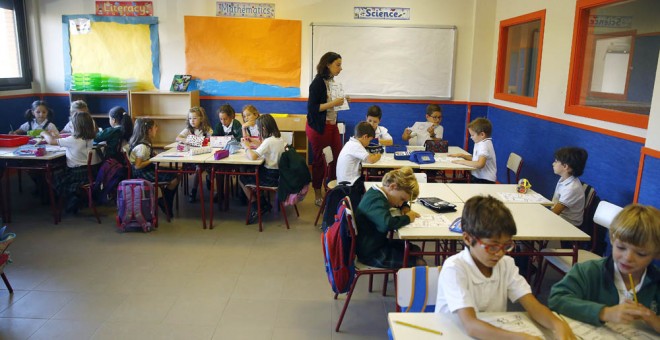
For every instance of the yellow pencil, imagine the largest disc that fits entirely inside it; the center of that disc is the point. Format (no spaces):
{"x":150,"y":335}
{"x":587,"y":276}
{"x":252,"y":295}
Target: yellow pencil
{"x":418,"y":327}
{"x":632,"y":287}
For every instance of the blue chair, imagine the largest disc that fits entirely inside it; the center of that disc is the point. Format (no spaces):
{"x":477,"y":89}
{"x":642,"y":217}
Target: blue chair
{"x":416,"y":290}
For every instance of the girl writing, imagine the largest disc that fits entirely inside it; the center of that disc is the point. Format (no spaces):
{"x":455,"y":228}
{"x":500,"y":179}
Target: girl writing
{"x":118,"y":134}
{"x":270,"y":150}
{"x":77,"y":147}
{"x":38,"y":117}
{"x":139,"y":154}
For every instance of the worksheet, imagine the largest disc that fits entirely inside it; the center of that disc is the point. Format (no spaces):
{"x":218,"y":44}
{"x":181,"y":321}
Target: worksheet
{"x":530,"y":197}
{"x":337,"y":91}
{"x":513,"y":322}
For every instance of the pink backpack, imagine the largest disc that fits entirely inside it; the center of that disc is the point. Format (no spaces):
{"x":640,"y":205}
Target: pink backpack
{"x":136,"y":202}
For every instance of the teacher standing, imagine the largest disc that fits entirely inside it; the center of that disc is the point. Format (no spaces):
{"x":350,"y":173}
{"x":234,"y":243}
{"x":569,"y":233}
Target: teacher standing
{"x":321,"y":126}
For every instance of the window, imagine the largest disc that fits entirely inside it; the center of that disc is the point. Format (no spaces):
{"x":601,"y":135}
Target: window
{"x":519,"y":58}
{"x":614,"y":60}
{"x":15,"y":71}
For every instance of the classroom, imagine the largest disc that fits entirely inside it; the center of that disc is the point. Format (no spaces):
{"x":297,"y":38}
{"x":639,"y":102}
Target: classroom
{"x":80,"y":279}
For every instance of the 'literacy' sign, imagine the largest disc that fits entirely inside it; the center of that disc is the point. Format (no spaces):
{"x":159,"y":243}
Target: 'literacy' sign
{"x":245,"y":9}
{"x":384,"y":13}
{"x":125,"y":8}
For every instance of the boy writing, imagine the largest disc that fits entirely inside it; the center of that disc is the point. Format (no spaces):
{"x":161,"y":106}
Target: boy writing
{"x":354,"y":153}
{"x":374,"y":116}
{"x":601,"y":291}
{"x":483,"y":155}
{"x":481,"y":277}
{"x":568,"y":198}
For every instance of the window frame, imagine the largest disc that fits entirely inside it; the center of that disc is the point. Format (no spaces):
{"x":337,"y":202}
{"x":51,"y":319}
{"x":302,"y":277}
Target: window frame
{"x":500,"y":91}
{"x":576,"y":84}
{"x":25,"y":81}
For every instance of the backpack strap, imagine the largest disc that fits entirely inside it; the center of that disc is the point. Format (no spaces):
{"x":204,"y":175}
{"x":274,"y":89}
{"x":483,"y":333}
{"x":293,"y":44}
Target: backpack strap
{"x":127,"y":190}
{"x":419,"y":287}
{"x":138,"y":196}
{"x":151,"y":149}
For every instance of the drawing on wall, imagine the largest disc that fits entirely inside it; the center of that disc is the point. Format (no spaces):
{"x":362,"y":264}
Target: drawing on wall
{"x":243,"y":57}
{"x":126,"y":48}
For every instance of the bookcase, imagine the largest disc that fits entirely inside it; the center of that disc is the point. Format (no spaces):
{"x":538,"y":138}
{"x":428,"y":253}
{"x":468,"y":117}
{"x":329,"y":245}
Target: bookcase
{"x":168,"y":109}
{"x":100,"y":103}
{"x":296,"y":125}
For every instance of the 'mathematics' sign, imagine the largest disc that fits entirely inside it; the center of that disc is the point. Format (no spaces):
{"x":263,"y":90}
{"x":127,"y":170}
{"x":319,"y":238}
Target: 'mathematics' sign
{"x":383,"y":13}
{"x":245,"y":9}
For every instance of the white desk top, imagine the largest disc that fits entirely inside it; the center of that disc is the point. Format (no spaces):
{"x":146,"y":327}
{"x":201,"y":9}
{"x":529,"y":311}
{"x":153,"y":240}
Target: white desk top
{"x":533,"y":222}
{"x":173,"y":156}
{"x":467,"y":190}
{"x":387,"y":161}
{"x":440,"y":190}
{"x":53,"y":152}
{"x":238,"y":158}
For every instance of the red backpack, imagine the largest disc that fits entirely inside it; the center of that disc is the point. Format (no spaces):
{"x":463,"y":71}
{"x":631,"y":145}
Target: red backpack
{"x":136,"y":203}
{"x":339,"y":249}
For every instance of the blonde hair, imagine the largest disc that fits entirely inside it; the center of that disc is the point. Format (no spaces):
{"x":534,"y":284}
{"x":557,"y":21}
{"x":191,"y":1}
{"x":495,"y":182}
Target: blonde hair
{"x":638,"y":225}
{"x":204,"y":125}
{"x":78,"y":106}
{"x":405,"y":181}
{"x":250,"y":108}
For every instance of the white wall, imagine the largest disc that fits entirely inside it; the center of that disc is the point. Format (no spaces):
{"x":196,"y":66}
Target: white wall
{"x":170,"y":15}
{"x":555,"y":61}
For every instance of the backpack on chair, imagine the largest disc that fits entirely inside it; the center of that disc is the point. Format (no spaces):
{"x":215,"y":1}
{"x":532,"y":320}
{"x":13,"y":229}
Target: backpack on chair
{"x":136,"y":202}
{"x":339,"y":250}
{"x":335,"y":196}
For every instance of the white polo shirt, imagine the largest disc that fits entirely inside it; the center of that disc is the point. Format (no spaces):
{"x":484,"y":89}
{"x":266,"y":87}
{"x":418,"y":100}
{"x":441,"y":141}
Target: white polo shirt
{"x":418,"y":138}
{"x":76,"y":151}
{"x":271,"y":150}
{"x":462,"y":285}
{"x":489,"y":171}
{"x":570,"y":194}
{"x":349,"y":162}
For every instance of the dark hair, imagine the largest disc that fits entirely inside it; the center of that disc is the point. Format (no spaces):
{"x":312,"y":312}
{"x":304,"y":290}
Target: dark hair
{"x":141,"y":132}
{"x":327,"y":59}
{"x":267,"y":126}
{"x":487,"y":217}
{"x":433,"y":108}
{"x":228,"y":110}
{"x":83,"y":125}
{"x":574,"y":157}
{"x":364,"y":128}
{"x":29,"y":115}
{"x":480,"y":125}
{"x":124,"y":120}
{"x":375,"y":111}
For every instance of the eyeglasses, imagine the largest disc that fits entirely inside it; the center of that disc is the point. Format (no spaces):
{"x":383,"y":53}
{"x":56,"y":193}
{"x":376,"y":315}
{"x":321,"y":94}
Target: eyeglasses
{"x":436,"y":117}
{"x":495,"y":248}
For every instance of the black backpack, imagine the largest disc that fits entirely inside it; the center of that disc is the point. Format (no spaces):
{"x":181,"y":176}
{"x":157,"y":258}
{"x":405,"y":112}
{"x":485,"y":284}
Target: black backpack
{"x":336,"y":194}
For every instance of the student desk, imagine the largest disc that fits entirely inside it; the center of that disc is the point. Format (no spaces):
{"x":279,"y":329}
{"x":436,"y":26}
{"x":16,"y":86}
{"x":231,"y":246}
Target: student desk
{"x":54,"y":158}
{"x":387,"y":161}
{"x":466,"y":191}
{"x":235,"y":164}
{"x":173,"y":156}
{"x":535,"y":225}
{"x":440,"y":190}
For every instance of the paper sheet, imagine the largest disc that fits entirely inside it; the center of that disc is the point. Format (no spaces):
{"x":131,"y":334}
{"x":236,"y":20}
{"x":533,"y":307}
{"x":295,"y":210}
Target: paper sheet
{"x":431,"y":220}
{"x":610,"y":331}
{"x":514,"y":197}
{"x":514,"y":322}
{"x":420,"y":128}
{"x":337,"y":91}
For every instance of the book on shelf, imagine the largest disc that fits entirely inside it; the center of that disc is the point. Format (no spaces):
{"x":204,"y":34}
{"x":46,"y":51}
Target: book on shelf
{"x":180,"y":82}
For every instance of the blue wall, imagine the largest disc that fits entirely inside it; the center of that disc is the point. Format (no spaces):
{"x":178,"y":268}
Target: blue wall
{"x":649,"y":191}
{"x":611,"y":167}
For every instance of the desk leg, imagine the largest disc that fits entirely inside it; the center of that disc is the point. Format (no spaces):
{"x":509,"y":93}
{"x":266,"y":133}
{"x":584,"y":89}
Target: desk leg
{"x":211,"y":199}
{"x":200,"y":185}
{"x":54,"y":206}
{"x":155,"y":208}
{"x":7,"y":202}
{"x":258,"y":199}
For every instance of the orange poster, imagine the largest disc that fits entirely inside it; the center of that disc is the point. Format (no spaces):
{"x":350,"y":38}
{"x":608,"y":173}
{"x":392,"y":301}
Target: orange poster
{"x":243,"y":57}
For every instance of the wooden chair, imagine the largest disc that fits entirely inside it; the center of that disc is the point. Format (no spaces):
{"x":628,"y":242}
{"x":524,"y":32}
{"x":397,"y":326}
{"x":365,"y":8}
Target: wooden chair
{"x":604,"y":215}
{"x":89,"y":186}
{"x":360,"y":268}
{"x":5,"y":241}
{"x":328,"y":158}
{"x":280,"y":205}
{"x":513,"y":165}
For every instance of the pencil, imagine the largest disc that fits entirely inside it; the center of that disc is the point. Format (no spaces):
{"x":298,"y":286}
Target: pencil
{"x":418,"y":327}
{"x":632,"y":287}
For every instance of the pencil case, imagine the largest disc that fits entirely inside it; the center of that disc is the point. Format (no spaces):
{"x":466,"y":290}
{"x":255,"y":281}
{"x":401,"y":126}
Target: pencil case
{"x":182,"y":147}
{"x":200,"y":150}
{"x":220,"y":154}
{"x":395,"y":148}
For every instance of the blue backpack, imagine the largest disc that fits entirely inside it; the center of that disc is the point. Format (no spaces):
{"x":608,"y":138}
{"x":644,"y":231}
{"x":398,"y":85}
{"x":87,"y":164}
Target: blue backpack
{"x":339,"y":250}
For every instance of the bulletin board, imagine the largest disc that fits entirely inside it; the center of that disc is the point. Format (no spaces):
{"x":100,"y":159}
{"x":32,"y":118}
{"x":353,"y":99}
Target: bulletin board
{"x":243,"y":56}
{"x":123,"y":47}
{"x":390,"y":61}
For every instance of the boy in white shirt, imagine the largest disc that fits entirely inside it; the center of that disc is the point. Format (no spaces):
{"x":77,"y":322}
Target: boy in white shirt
{"x":433,"y":132}
{"x":483,"y":155}
{"x":568,"y":198}
{"x":481,"y":277}
{"x":374,"y":116}
{"x":354,"y":152}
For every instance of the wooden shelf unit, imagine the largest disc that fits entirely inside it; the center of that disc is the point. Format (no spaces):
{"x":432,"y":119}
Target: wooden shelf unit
{"x":97,"y":101}
{"x":168,"y":109}
{"x":295,"y":124}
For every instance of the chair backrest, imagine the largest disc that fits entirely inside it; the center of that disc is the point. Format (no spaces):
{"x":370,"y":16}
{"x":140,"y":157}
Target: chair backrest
{"x":416,"y":289}
{"x":129,"y":168}
{"x":327,"y":155}
{"x":421,"y":177}
{"x":605,"y":213}
{"x":90,"y":173}
{"x":588,"y":225}
{"x":287,"y":136}
{"x":513,"y":164}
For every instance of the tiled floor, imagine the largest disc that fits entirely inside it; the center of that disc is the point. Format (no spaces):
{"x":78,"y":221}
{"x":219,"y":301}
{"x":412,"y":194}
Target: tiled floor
{"x":82,"y":280}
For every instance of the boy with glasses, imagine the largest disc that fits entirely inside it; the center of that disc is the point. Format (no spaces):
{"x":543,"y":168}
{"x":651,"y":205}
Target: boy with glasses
{"x":481,"y":278}
{"x":434,"y":131}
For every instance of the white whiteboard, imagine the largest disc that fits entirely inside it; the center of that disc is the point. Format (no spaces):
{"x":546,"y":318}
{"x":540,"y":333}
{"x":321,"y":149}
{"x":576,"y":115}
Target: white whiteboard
{"x":390,"y":61}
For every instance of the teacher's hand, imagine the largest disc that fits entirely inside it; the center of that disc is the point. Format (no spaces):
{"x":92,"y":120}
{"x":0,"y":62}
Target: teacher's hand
{"x":348,"y":99}
{"x":338,"y":102}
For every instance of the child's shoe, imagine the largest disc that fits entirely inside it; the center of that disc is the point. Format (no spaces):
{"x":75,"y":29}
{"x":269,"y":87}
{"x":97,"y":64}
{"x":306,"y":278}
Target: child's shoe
{"x":193,"y":196}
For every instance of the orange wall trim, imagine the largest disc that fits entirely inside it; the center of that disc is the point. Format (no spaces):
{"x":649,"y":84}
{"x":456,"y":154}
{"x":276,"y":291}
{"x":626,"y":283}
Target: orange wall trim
{"x":21,"y":96}
{"x":640,"y":169}
{"x":577,"y":125}
{"x":357,"y":100}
